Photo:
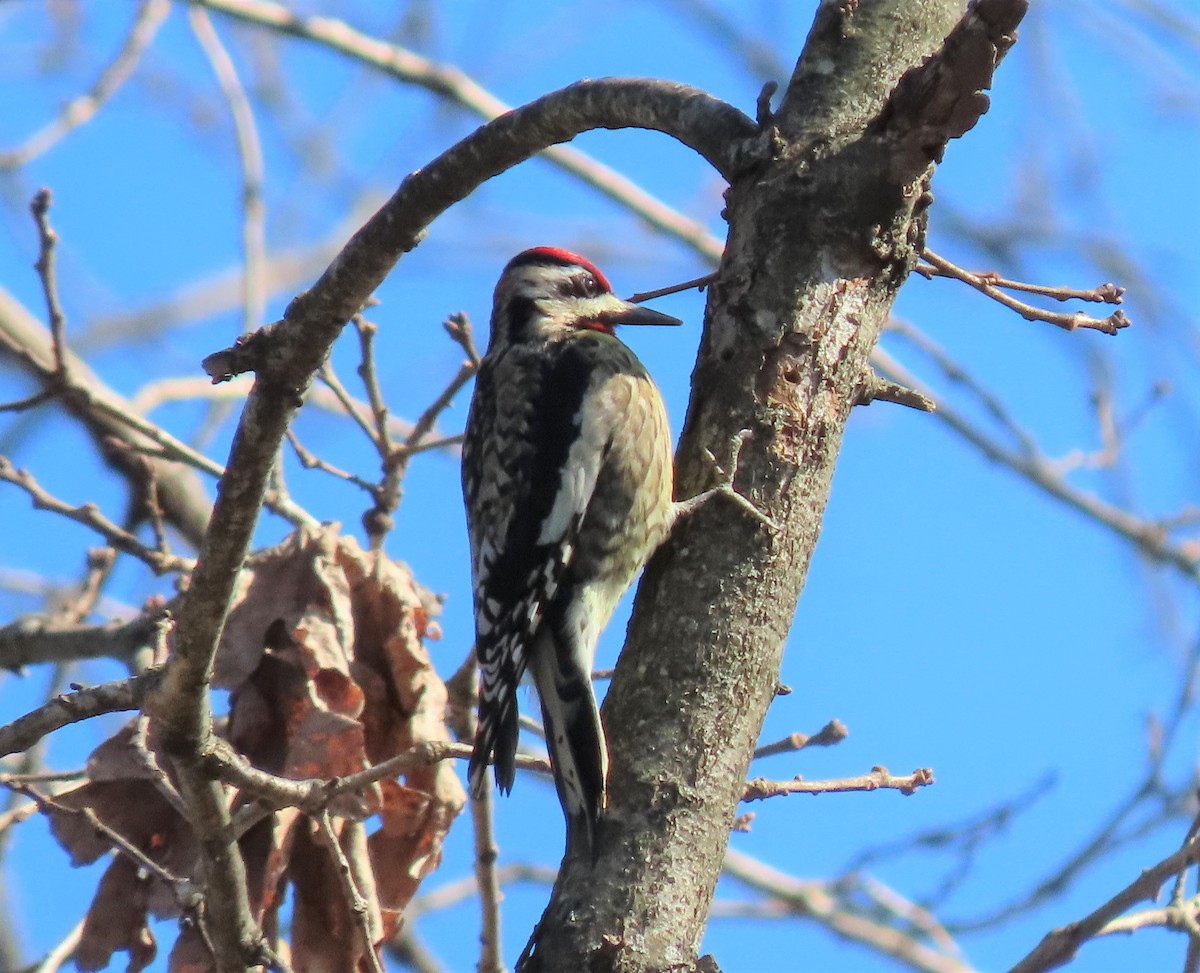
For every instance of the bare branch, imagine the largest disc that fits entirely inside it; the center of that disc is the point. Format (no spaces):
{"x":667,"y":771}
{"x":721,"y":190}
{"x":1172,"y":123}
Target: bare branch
{"x":488,"y":884}
{"x":353,"y":409}
{"x":250,"y":157}
{"x":960,"y":377}
{"x":187,"y":896}
{"x":360,"y":909}
{"x":461,"y":889}
{"x":452,"y":84}
{"x":378,"y":519}
{"x":1148,"y":536}
{"x":312,"y":462}
{"x":823,"y":903}
{"x":82,"y":704}
{"x":876,"y":389}
{"x":1059,"y":946}
{"x":370,"y":379}
{"x":831,"y":734}
{"x":37,"y":639}
{"x":83,"y":108}
{"x":29,"y":402}
{"x":186,"y":387}
{"x":425,"y":422}
{"x":62,"y":951}
{"x":312,"y":795}
{"x":1103,"y":294}
{"x":760,"y":788}
{"x":699,"y":283}
{"x":105,"y":414}
{"x":458,"y":327}
{"x":1178,"y":917}
{"x":1068,"y":322}
{"x":88,"y":515}
{"x":45,"y":267}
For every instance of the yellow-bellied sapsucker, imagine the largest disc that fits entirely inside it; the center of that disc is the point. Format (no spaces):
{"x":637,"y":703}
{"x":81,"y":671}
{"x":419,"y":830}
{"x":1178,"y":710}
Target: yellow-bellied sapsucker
{"x":567,"y":476}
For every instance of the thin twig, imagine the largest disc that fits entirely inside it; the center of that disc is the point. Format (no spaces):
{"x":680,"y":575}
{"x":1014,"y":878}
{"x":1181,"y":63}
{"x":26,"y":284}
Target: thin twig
{"x":29,"y":402}
{"x":37,"y":639}
{"x":370,"y":379}
{"x":824,"y":903}
{"x":458,"y":327}
{"x":29,"y":762}
{"x":760,"y":788}
{"x":445,"y":442}
{"x":1146,"y":535}
{"x":831,"y":734}
{"x":46,"y":777}
{"x":23,"y":812}
{"x":358,"y":905}
{"x":960,"y":377}
{"x":1068,"y":322}
{"x":488,"y":884}
{"x":425,"y":422}
{"x":378,"y":519}
{"x":187,"y":387}
{"x":186,"y":894}
{"x":82,"y":704}
{"x":963,"y":839}
{"x":311,"y":795}
{"x":100,"y":563}
{"x":90,"y":516}
{"x":312,"y":462}
{"x":45,"y":267}
{"x":874,"y":388}
{"x":327,"y":375}
{"x":1107,"y":293}
{"x":410,"y":951}
{"x":147,"y":761}
{"x":699,"y":283}
{"x":461,"y":889}
{"x":251,"y":163}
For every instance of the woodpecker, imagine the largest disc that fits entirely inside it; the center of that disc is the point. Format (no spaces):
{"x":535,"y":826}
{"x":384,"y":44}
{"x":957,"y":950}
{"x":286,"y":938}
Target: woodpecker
{"x":567,"y":478}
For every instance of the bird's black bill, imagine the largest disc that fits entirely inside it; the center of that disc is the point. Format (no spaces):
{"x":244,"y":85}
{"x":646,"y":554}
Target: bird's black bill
{"x":636,"y":314}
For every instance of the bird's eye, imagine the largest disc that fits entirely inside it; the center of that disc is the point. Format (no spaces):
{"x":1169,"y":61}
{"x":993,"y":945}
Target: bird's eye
{"x":591,"y":286}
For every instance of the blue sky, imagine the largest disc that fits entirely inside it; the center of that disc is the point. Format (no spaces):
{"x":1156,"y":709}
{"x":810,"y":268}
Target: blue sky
{"x":955,"y":616}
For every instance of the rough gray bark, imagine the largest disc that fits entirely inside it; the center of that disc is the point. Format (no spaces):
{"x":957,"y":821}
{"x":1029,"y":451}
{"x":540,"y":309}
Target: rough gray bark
{"x":820,"y":239}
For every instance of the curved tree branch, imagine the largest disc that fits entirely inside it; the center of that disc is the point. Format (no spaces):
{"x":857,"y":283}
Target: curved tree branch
{"x":287,"y":354}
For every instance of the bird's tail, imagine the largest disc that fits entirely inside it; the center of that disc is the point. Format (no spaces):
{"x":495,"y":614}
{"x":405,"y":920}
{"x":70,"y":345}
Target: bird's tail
{"x":495,"y":736}
{"x":575,"y":737}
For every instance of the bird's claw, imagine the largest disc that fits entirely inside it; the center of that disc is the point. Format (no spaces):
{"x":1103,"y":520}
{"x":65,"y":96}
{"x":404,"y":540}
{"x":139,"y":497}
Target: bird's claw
{"x":725,"y":487}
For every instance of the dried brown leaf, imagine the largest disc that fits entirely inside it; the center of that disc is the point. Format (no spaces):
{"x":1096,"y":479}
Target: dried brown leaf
{"x":292,"y":586}
{"x":267,"y":849}
{"x":327,"y":673}
{"x":116,"y":920}
{"x":190,"y":954}
{"x":325,"y":938}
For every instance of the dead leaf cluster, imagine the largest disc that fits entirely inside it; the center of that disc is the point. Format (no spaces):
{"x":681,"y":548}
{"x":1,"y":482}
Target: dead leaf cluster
{"x":325,"y":663}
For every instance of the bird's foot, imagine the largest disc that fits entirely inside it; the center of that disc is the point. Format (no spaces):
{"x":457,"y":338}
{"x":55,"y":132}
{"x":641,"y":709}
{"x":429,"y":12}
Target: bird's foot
{"x":685,"y":508}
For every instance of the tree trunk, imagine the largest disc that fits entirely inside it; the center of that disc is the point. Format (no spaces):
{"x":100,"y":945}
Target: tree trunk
{"x":821,"y":236}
